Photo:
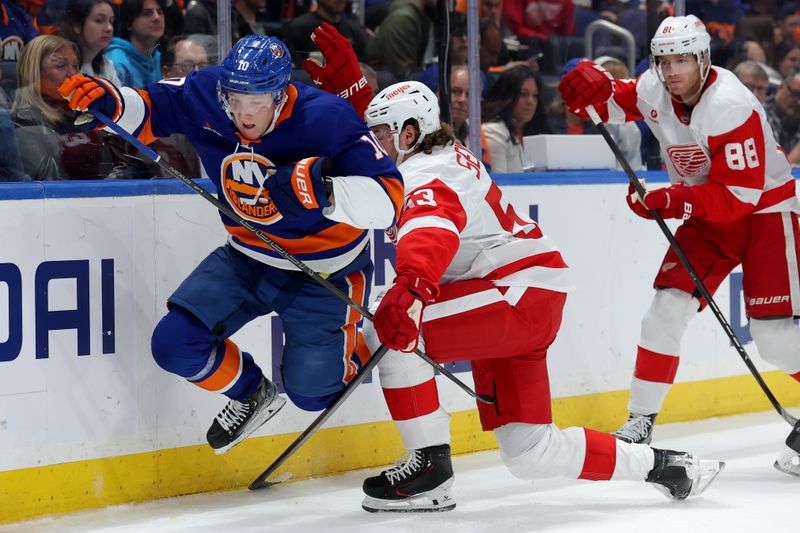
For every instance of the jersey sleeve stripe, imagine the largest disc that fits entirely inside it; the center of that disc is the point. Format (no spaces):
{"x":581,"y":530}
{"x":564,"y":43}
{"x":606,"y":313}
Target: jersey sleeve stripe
{"x":332,"y":238}
{"x":394,"y":188}
{"x":427,"y":222}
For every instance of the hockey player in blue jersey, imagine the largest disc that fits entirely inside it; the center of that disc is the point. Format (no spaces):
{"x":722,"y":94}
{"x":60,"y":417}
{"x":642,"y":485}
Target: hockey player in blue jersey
{"x":262,"y":138}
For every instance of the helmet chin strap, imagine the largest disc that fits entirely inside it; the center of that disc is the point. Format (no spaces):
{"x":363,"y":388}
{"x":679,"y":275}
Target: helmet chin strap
{"x":401,"y":154}
{"x":281,"y":101}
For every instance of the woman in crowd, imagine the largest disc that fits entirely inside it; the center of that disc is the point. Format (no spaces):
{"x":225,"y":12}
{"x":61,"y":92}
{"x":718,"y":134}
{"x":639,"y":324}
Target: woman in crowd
{"x":90,"y":25}
{"x":512,"y":105}
{"x":51,"y":147}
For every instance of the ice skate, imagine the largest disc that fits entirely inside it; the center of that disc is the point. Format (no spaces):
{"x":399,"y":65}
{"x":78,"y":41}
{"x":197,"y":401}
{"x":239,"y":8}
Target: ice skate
{"x":680,"y":475}
{"x":789,"y":460}
{"x":420,"y":482}
{"x":239,"y":419}
{"x":638,"y":429}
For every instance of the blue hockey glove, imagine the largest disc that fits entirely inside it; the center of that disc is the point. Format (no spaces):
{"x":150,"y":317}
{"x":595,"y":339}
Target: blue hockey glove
{"x":294,"y":189}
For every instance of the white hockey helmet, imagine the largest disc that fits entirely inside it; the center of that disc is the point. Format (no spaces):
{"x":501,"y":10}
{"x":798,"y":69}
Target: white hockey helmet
{"x":681,"y":35}
{"x":397,"y":103}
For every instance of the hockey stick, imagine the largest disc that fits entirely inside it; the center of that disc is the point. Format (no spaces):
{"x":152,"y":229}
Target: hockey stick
{"x":275,"y":246}
{"x":261,"y":481}
{"x":701,"y":288}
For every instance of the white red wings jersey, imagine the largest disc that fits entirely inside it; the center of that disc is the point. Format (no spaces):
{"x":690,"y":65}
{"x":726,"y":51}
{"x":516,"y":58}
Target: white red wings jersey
{"x":724,"y":145}
{"x":457,"y":225}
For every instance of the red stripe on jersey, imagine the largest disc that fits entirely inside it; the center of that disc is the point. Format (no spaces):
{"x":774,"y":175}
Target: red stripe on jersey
{"x":508,"y":218}
{"x":601,"y":456}
{"x":146,"y":129}
{"x":412,"y":402}
{"x":548,"y":259}
{"x":795,"y":376}
{"x":655,"y":367}
{"x":227,"y":371}
{"x":427,"y":250}
{"x":777,"y":195}
{"x":626,"y":98}
{"x":737,"y":156}
{"x":434,"y":199}
{"x":328,"y":239}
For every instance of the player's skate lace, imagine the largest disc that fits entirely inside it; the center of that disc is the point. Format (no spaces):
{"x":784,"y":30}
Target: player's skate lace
{"x":637,"y":429}
{"x":413,"y":462}
{"x":233,"y":414}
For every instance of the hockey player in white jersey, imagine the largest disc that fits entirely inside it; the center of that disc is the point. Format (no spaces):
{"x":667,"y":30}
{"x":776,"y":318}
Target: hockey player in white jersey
{"x":479,"y":282}
{"x":732,"y":186}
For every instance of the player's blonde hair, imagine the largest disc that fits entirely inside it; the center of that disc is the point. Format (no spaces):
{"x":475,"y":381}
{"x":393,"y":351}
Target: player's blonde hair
{"x":29,"y":79}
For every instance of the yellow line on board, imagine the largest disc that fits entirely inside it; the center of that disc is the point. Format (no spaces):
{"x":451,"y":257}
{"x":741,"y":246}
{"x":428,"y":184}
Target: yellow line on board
{"x":141,"y":477}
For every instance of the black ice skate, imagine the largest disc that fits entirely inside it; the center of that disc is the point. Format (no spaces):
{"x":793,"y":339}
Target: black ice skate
{"x":239,"y":419}
{"x":789,"y":460}
{"x":680,"y":475}
{"x":638,"y":429}
{"x":421,"y":483}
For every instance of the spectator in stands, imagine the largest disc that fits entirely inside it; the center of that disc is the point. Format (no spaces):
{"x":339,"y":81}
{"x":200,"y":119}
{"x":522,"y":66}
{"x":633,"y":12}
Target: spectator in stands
{"x":458,"y":51}
{"x":783,"y":115}
{"x":134,"y":55}
{"x":512,"y":102}
{"x":51,"y":147}
{"x":182,"y":56}
{"x":754,"y":77}
{"x":298,"y":31}
{"x":402,"y":39}
{"x":247,"y":17}
{"x":16,"y":29}
{"x":534,"y":22}
{"x":786,"y":56}
{"x":459,"y":103}
{"x":90,"y":25}
{"x":720,"y":18}
{"x":10,"y":163}
{"x":787,"y":22}
{"x":371,"y":76}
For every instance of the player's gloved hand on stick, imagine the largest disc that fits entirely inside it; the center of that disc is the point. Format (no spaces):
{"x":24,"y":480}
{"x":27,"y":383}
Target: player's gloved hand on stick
{"x":678,"y":201}
{"x":341,"y":73}
{"x":586,"y":85}
{"x":636,"y":204}
{"x":399,"y":314}
{"x":86,"y":94}
{"x":294,"y":189}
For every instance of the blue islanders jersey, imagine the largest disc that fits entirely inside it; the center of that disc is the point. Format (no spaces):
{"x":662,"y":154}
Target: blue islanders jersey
{"x":311,"y":123}
{"x":16,"y":29}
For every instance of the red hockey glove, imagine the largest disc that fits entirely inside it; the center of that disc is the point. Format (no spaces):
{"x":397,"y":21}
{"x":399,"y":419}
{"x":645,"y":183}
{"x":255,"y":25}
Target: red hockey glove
{"x":635,"y":203}
{"x":587,"y":84}
{"x":341,"y":73}
{"x":399,"y":314}
{"x":677,"y":201}
{"x":86,"y":93}
{"x":294,"y":189}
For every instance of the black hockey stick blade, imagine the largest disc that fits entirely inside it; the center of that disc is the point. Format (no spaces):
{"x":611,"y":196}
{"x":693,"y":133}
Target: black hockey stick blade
{"x":263,"y":481}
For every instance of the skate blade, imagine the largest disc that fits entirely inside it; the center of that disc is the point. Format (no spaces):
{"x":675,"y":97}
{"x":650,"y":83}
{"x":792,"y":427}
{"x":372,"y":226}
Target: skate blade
{"x":434,"y":501}
{"x":707,"y":471}
{"x":788,"y":463}
{"x":255,"y":423}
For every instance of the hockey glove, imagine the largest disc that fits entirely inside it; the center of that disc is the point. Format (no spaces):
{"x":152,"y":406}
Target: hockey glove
{"x":586,"y":85}
{"x":397,"y":320}
{"x":87,"y":94}
{"x":294,"y":189}
{"x":636,"y":204}
{"x":341,"y":73}
{"x":677,"y":201}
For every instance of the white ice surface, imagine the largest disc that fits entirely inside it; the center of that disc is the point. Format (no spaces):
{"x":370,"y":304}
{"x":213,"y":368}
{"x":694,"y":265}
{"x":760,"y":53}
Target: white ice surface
{"x":748,"y":496}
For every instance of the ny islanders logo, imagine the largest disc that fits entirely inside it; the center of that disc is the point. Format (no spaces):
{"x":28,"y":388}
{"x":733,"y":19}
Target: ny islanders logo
{"x":242,"y":176}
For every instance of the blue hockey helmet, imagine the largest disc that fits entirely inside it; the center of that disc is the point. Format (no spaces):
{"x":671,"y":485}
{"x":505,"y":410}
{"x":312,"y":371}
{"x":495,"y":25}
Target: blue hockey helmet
{"x":257,"y":64}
